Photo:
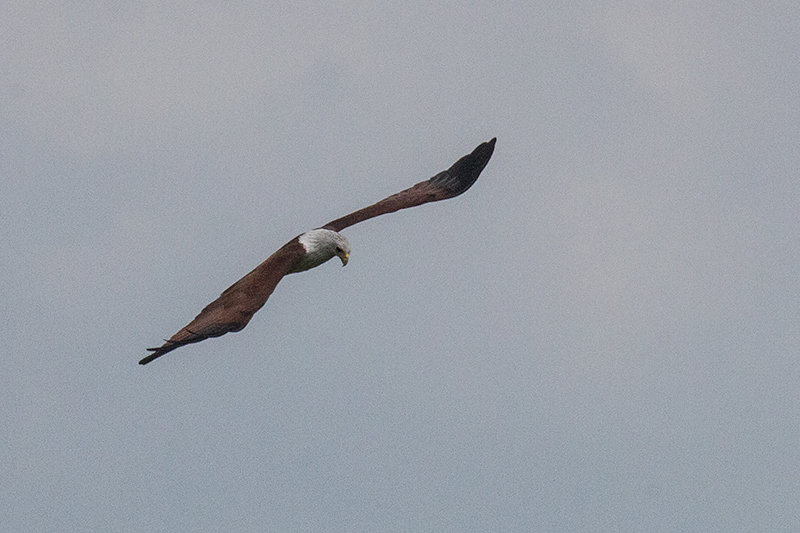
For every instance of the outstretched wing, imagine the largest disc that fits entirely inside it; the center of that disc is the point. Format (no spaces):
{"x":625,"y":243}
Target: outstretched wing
{"x":452,"y":182}
{"x":237,"y":304}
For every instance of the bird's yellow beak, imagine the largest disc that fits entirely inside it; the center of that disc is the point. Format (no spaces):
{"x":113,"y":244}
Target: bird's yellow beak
{"x":344,"y":258}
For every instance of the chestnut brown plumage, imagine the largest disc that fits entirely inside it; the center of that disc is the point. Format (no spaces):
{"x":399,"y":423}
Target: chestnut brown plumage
{"x":238,"y":303}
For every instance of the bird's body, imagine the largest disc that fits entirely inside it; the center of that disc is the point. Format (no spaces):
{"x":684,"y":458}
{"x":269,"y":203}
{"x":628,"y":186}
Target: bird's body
{"x":238,"y":303}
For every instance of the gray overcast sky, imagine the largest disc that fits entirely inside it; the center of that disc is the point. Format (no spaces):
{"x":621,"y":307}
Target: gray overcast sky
{"x":601,"y":335}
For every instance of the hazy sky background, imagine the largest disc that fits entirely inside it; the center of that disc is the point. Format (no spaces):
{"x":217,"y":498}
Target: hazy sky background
{"x":600,"y":335}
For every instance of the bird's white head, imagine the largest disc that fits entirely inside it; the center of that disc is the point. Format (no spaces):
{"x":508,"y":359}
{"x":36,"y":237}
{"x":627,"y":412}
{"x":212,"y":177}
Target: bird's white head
{"x":321,"y":245}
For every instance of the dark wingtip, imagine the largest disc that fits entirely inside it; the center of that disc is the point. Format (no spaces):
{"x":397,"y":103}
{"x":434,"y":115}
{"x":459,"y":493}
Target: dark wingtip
{"x":460,"y":177}
{"x":158,"y":352}
{"x":151,"y":356}
{"x":147,"y":359}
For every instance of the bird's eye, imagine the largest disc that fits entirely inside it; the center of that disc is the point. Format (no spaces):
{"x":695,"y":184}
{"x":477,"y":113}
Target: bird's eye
{"x":338,"y":250}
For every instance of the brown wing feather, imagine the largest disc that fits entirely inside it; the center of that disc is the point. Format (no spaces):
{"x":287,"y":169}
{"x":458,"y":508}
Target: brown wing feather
{"x":448,"y":184}
{"x":237,"y":304}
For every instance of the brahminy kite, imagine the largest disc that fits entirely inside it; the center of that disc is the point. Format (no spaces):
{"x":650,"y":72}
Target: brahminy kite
{"x":236,"y":306}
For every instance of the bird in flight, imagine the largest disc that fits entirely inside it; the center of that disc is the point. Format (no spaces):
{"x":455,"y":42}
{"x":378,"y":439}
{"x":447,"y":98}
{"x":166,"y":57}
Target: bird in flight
{"x":238,"y":303}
